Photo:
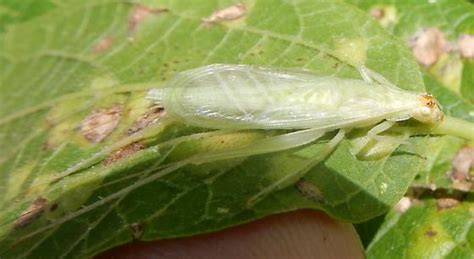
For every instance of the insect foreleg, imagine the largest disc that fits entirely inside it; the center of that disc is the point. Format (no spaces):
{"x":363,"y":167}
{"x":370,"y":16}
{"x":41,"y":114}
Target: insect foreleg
{"x":379,"y":128}
{"x":290,"y":179}
{"x":375,"y":131}
{"x":372,"y":134}
{"x":383,"y":143}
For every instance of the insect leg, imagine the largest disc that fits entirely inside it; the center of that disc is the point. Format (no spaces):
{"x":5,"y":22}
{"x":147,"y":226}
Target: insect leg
{"x":290,"y":179}
{"x":383,"y":142}
{"x":267,"y":145}
{"x":373,"y":133}
{"x":360,"y":144}
{"x":364,"y":73}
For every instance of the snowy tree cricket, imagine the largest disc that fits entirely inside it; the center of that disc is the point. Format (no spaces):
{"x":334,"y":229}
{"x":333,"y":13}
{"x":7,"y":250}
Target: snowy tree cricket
{"x":229,"y":97}
{"x":223,"y":96}
{"x":240,"y":97}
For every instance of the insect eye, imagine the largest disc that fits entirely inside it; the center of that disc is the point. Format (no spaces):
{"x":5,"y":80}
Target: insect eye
{"x":430,"y":103}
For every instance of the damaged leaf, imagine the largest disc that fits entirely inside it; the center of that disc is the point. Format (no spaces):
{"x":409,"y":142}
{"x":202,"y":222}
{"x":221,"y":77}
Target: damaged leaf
{"x":228,"y":13}
{"x":439,"y":34}
{"x":100,"y":123}
{"x":386,"y":15}
{"x":32,"y":213}
{"x":403,"y":205}
{"x":428,"y":45}
{"x":124,"y":152}
{"x":136,"y":181}
{"x":152,"y":116}
{"x":139,"y":12}
{"x":462,"y":174}
{"x":102,"y":44}
{"x":426,"y":230}
{"x":466,"y":45}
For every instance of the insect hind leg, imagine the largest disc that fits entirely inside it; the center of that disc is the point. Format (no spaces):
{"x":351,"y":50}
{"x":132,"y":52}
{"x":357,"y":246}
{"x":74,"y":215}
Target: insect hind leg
{"x":263,"y":146}
{"x":290,"y":179}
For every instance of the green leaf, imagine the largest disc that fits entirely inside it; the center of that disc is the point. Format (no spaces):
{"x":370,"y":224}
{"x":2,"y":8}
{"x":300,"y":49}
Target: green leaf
{"x":442,"y":149}
{"x":12,"y":11}
{"x":452,"y":104}
{"x":73,"y":191}
{"x":426,"y":231}
{"x":467,"y":87}
{"x":451,"y":18}
{"x":399,"y":235}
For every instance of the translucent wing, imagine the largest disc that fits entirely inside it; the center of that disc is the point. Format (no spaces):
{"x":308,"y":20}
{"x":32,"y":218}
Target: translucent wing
{"x":252,"y":97}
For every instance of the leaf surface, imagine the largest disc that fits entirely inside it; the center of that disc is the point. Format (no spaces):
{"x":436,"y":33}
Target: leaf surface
{"x":418,"y":231}
{"x":426,"y":230}
{"x":450,"y":22}
{"x":72,"y":190}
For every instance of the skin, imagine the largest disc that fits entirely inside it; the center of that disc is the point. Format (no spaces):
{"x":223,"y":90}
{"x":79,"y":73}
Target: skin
{"x":299,"y":234}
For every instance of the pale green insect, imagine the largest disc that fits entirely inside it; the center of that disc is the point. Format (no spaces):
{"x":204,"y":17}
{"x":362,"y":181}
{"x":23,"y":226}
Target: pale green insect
{"x":241,"y":97}
{"x":223,"y":96}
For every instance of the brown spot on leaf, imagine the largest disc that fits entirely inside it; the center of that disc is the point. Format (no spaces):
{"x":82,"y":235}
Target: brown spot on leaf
{"x":151,"y":117}
{"x":462,"y":164}
{"x":446,"y":203}
{"x":100,"y":123}
{"x":462,"y":185}
{"x":102,"y":45}
{"x":137,"y":230}
{"x":124,"y":152}
{"x":403,"y":205}
{"x":377,"y":12}
{"x":139,"y":13}
{"x":309,"y":190}
{"x":430,"y":233}
{"x":228,"y":13}
{"x":31,"y":213}
{"x":428,"y":45}
{"x":386,"y":15}
{"x":466,"y":45}
{"x":54,"y":207}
